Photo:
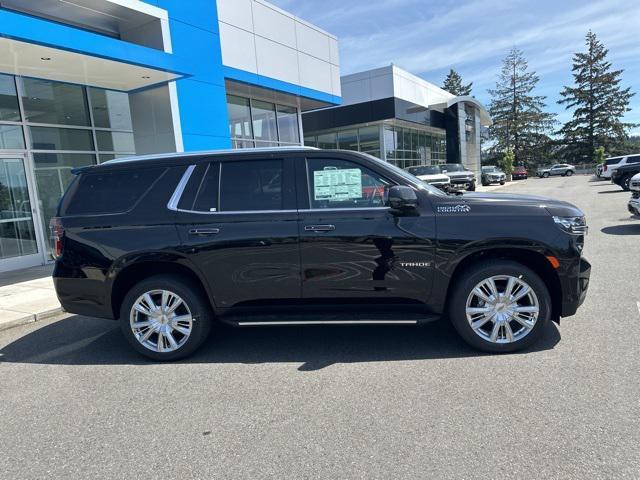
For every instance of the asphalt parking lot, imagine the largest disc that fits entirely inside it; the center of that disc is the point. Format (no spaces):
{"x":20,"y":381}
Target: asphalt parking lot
{"x":343,"y":402}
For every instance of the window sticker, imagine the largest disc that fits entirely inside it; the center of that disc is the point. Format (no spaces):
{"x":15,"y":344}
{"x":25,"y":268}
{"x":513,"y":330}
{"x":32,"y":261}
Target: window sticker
{"x":337,"y":185}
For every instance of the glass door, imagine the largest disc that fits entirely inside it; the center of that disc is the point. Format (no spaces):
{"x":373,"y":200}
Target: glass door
{"x":18,"y":237}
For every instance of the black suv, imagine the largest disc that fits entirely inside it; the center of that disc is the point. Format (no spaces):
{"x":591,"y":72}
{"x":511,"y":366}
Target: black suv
{"x":622,"y":175}
{"x":171,"y":244}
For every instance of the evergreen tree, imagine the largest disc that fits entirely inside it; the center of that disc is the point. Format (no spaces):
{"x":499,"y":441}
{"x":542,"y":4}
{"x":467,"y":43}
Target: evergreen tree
{"x":598,"y":103}
{"x":519,"y":120}
{"x":453,"y":84}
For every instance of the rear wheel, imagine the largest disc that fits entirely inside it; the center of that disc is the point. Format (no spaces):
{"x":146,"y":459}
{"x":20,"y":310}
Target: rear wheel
{"x":569,"y":173}
{"x":500,"y":306}
{"x":165,"y":318}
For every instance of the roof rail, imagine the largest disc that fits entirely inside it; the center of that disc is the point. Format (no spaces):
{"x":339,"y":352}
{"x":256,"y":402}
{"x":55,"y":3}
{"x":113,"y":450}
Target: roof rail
{"x":159,"y":156}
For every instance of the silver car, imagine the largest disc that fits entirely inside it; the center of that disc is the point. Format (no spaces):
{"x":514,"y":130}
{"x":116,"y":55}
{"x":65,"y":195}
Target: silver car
{"x":563,"y":169}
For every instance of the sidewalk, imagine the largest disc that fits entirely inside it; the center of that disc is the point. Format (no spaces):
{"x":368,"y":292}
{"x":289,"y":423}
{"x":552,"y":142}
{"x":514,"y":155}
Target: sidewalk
{"x":27,"y":296}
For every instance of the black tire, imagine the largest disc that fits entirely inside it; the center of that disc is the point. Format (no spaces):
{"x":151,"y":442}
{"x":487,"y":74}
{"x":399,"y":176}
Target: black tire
{"x":625,"y":183}
{"x":192,"y":296}
{"x":484,"y":184}
{"x":545,"y":175}
{"x":569,"y":173}
{"x":472,"y":187}
{"x":502,"y":183}
{"x":481,"y":271}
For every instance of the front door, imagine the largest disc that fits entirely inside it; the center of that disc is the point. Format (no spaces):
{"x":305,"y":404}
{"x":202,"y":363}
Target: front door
{"x":18,"y":232}
{"x":353,"y":249}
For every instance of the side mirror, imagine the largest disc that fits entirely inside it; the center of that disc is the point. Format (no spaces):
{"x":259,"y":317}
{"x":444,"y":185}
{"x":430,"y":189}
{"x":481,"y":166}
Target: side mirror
{"x":402,"y":198}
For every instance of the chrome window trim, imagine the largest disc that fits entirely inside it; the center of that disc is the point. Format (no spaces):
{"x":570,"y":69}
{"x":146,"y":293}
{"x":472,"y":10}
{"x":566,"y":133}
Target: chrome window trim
{"x":182,"y":184}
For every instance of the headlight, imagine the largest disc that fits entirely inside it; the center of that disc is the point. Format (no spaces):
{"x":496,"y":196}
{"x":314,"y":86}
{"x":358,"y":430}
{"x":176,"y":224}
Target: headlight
{"x":572,"y":225}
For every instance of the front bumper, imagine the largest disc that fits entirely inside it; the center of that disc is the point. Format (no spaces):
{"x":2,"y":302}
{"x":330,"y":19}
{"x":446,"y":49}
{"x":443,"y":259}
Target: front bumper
{"x":574,"y":288}
{"x":465,"y":183}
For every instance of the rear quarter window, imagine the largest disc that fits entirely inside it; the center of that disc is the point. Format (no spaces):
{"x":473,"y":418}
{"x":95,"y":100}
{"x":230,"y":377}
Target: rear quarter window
{"x":109,"y":192}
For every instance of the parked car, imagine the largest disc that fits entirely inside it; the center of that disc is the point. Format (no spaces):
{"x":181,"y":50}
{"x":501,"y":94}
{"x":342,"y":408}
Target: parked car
{"x":461,"y":177}
{"x":170,"y":244}
{"x":563,"y":169}
{"x":519,"y":173}
{"x":491,"y":174}
{"x":634,"y":202}
{"x":610,"y":169}
{"x":432,"y":174}
{"x":622,"y":175}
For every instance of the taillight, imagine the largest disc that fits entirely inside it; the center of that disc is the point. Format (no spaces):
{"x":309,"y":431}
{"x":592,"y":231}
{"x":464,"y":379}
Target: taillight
{"x":57,"y":231}
{"x":604,"y":167}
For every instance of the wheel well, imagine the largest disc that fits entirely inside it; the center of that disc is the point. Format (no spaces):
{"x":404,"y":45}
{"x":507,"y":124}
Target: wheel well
{"x":137,"y":272}
{"x":533,"y":260}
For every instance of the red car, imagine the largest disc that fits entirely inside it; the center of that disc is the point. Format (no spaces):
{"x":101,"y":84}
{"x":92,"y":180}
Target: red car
{"x":519,"y":173}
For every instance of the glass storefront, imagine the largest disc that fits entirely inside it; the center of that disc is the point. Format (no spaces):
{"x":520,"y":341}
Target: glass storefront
{"x":255,"y":123}
{"x":59,"y":127}
{"x":402,"y":146}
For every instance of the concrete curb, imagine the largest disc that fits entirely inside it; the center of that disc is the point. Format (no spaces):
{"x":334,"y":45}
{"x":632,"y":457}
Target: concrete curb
{"x":31,"y":318}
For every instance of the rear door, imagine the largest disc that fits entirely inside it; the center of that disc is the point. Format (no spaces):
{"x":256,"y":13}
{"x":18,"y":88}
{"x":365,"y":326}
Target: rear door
{"x":237,"y":222}
{"x":352,"y":248}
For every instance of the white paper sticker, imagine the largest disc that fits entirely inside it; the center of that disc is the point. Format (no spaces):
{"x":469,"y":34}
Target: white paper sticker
{"x":337,"y":185}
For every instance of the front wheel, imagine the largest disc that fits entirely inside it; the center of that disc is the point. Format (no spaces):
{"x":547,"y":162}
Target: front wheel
{"x":472,"y":187}
{"x":545,"y":175}
{"x":500,"y":306}
{"x":502,"y":183}
{"x":165,"y":318}
{"x":625,"y":183}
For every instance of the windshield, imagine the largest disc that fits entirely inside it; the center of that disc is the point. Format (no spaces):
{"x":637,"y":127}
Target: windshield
{"x":489,"y":169}
{"x":413,"y":180}
{"x":424,"y":170}
{"x":453,"y":167}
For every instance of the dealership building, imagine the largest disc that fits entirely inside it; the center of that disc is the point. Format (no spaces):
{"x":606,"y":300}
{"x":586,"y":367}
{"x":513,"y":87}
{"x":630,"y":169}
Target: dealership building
{"x":86,"y":81}
{"x":401,"y":118}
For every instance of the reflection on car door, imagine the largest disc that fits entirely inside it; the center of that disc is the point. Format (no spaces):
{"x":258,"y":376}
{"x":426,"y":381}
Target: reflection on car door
{"x":238,"y":223}
{"x":352,"y":247}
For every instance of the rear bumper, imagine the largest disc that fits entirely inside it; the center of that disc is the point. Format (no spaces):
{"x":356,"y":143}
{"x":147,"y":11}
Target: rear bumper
{"x":574,"y":288}
{"x":80,"y":294}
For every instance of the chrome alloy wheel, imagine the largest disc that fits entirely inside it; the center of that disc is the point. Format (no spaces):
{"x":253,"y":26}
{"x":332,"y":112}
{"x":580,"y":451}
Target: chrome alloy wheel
{"x":502,"y":309}
{"x":161,"y":321}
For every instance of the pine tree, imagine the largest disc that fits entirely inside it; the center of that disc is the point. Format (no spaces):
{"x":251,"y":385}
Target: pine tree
{"x":453,"y":84}
{"x":519,"y":120}
{"x":598,"y":103}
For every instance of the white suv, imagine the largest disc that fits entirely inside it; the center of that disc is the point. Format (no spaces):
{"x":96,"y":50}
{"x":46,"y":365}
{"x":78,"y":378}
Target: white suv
{"x":634,"y":202}
{"x":613,"y":163}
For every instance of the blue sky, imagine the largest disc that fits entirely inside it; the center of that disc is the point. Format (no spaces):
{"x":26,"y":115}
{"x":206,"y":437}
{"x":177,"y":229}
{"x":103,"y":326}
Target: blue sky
{"x":429,"y":37}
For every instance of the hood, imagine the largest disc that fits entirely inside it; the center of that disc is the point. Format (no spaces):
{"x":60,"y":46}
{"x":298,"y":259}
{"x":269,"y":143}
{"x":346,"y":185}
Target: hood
{"x":550,"y":205}
{"x":438,"y":177}
{"x":459,"y":174}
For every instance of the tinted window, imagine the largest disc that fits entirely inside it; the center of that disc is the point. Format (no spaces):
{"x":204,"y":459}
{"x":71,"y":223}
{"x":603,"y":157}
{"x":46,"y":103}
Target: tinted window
{"x":109,"y":192}
{"x":453,"y":167}
{"x":252,"y":185}
{"x":426,"y":170}
{"x":344,"y":184}
{"x":633,"y":159}
{"x":613,"y":161}
{"x":207,"y":192}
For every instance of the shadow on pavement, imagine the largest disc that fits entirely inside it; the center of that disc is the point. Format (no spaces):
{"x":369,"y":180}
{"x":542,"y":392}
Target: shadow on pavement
{"x":628,"y":229}
{"x":618,"y":190}
{"x":87,"y":341}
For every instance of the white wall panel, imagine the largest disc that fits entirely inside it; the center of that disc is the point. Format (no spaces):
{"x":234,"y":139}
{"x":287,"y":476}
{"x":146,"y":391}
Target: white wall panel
{"x":238,"y":48}
{"x":272,"y":24}
{"x":334,"y":54}
{"x":236,"y":12}
{"x":314,"y":73}
{"x":335,"y":80}
{"x":313,"y":42}
{"x":277,"y":61}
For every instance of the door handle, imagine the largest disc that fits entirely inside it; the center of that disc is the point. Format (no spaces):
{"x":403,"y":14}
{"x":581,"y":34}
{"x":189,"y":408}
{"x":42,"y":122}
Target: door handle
{"x":319,"y":228}
{"x":204,"y":231}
